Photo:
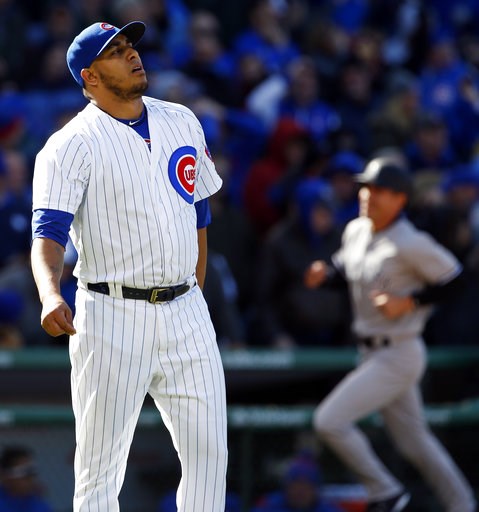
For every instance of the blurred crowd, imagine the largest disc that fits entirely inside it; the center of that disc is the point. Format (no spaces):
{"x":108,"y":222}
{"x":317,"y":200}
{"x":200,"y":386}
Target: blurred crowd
{"x":294,"y":96}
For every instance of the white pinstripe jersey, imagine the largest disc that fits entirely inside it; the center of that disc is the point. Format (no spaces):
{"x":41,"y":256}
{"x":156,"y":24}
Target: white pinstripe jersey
{"x":134,"y":215}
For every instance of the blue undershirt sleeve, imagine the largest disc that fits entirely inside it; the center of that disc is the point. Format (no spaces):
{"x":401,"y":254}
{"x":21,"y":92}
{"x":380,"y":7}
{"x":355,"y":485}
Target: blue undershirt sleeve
{"x":53,"y":224}
{"x":203,"y":213}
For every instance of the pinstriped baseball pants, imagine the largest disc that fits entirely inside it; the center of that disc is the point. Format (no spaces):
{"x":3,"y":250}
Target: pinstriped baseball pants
{"x":125,"y":349}
{"x":387,"y":381}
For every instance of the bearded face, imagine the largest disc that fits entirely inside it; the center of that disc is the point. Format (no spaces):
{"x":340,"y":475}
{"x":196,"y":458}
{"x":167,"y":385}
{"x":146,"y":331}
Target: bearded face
{"x":123,"y":90}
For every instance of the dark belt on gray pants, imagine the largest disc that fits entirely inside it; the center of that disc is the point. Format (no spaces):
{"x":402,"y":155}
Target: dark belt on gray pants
{"x":374,"y":341}
{"x":153,"y":295}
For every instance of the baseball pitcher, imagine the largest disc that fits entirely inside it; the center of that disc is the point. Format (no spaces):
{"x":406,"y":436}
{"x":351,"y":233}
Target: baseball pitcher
{"x":129,"y":178}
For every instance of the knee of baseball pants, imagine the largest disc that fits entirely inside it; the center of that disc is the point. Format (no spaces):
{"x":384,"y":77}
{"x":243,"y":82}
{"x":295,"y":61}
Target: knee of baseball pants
{"x":325,"y":426}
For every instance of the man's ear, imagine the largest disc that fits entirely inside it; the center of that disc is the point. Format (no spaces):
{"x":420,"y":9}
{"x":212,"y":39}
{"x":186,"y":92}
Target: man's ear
{"x":89,"y":76}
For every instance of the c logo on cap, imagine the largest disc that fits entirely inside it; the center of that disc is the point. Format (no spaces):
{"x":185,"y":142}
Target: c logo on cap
{"x":182,"y":172}
{"x":106,"y":26}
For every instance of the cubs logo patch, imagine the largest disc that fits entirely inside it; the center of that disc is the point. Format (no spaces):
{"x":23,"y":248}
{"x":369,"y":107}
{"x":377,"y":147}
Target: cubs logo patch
{"x":182,"y":172}
{"x":107,"y":26}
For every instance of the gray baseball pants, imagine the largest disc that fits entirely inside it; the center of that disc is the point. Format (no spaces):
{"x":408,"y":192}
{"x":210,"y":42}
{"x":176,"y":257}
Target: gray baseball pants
{"x":387,"y":381}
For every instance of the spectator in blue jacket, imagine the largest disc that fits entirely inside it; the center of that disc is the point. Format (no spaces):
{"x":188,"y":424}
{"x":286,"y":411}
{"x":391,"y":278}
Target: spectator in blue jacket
{"x":267,"y":36}
{"x":19,"y":488}
{"x":301,"y":491}
{"x":430,"y":148}
{"x":304,"y":103}
{"x":441,"y":77}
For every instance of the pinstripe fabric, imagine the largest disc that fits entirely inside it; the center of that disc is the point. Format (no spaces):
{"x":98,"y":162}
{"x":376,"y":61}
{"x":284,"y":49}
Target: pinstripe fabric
{"x":134,"y":225}
{"x":130,"y":226}
{"x":124,"y":350}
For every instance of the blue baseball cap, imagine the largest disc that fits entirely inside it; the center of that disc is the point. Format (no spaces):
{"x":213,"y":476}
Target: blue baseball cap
{"x":463,"y":174}
{"x":345,"y":161}
{"x":89,"y":43}
{"x":305,"y":470}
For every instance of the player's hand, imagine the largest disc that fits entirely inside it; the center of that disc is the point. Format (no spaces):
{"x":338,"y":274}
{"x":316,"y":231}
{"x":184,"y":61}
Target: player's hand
{"x":392,"y":306}
{"x":315,"y":274}
{"x":57,"y":317}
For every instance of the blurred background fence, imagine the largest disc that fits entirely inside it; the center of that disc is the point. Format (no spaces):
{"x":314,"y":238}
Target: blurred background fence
{"x":271,"y":396}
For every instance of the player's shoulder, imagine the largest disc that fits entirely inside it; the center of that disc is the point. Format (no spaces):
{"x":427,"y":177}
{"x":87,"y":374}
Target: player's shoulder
{"x":410,"y":238}
{"x":67,"y":134}
{"x":79,"y":124}
{"x":407,"y":230}
{"x":167,"y":107}
{"x":71,"y":136}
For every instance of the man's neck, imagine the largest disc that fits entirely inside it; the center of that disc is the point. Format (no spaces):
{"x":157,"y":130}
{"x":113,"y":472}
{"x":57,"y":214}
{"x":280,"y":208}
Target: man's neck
{"x":381,"y":226}
{"x":131,"y":109}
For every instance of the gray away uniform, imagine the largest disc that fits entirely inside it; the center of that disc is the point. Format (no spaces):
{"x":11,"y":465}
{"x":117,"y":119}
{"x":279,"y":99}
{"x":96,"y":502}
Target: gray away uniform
{"x":398,"y":260}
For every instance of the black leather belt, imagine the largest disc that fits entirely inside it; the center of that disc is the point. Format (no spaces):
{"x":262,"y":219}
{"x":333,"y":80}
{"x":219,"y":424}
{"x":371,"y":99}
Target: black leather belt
{"x":153,"y":295}
{"x":374,"y":342}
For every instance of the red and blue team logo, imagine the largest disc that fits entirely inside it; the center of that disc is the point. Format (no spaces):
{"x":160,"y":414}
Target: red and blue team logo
{"x":107,"y":26}
{"x":182,"y":172}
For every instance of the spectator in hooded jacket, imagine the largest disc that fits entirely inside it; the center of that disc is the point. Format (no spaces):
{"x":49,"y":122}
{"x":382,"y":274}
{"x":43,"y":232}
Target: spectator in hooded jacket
{"x":287,"y":313}
{"x":288,"y":153}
